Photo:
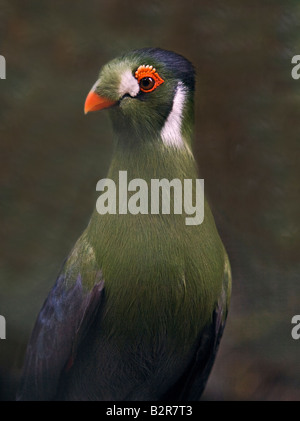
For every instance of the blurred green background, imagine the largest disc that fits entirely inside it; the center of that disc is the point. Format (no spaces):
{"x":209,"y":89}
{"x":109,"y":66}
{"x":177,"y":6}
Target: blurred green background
{"x":247,"y":147}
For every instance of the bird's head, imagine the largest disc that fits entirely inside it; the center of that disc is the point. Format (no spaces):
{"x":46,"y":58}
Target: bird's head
{"x":150,"y":93}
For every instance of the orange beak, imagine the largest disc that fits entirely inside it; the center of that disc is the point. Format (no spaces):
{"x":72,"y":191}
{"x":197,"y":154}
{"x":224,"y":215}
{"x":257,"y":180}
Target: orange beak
{"x":95,"y":102}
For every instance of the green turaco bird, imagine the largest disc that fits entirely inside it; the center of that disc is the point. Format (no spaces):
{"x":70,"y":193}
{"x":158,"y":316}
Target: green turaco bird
{"x":139,"y":307}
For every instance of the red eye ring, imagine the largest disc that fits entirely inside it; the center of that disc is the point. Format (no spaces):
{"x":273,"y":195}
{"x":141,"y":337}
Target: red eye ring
{"x":148,"y":78}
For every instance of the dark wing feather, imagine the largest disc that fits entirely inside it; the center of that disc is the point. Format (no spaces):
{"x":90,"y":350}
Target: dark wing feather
{"x":191,"y":384}
{"x":62,"y":322}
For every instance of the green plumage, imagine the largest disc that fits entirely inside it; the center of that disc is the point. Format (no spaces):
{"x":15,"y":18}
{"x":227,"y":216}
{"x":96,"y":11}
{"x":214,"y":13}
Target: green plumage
{"x":166,"y":284}
{"x":173,"y":273}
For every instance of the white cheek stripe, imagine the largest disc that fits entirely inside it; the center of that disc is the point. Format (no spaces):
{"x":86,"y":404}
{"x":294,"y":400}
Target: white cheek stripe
{"x":171,"y":132}
{"x":129,"y":84}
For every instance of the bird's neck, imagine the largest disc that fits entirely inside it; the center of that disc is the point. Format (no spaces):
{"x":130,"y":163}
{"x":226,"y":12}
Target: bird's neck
{"x":153,"y":160}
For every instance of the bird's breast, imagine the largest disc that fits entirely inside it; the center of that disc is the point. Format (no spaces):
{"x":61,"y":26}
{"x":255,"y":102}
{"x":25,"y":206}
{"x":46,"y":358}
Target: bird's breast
{"x":152,"y":282}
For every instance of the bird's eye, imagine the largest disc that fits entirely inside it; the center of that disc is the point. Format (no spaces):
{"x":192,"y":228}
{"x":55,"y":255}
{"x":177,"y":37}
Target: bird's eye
{"x":146,"y":84}
{"x":148,"y":78}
